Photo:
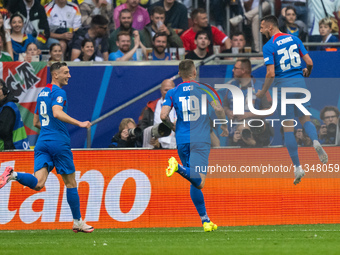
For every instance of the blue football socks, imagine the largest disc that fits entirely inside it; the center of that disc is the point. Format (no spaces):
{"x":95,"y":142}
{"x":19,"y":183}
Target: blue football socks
{"x":310,"y":130}
{"x":198,"y":200}
{"x":192,"y":177}
{"x":73,"y":201}
{"x":28,"y":180}
{"x":292,"y":147}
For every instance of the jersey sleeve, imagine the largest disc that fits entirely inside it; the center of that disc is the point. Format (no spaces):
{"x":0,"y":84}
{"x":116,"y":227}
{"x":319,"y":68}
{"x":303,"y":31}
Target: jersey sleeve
{"x":77,"y":18}
{"x":59,"y":98}
{"x":218,"y":36}
{"x":168,"y":98}
{"x":268,"y":55}
{"x":302,"y":49}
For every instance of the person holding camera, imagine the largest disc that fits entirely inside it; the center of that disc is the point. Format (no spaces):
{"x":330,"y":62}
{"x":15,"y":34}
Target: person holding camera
{"x":12,"y":130}
{"x":150,"y":117}
{"x":128,"y":136}
{"x":330,"y":116}
{"x":244,"y":80}
{"x":242,"y":137}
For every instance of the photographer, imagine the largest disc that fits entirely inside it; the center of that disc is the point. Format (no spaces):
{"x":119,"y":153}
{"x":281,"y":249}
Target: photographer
{"x":257,"y":135}
{"x":330,"y":116}
{"x":128,"y":136}
{"x":242,"y":137}
{"x":12,"y":130}
{"x":302,"y":138}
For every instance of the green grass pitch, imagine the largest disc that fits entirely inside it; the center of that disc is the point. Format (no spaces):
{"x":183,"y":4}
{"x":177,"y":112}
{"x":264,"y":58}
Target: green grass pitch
{"x":287,"y":239}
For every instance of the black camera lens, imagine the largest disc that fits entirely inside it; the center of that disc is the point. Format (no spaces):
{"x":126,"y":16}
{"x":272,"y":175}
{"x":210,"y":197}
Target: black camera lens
{"x":331,"y":129}
{"x":246,"y":134}
{"x":135,"y":132}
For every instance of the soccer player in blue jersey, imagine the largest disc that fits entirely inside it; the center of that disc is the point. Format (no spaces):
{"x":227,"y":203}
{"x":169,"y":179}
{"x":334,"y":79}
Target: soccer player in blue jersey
{"x":282,"y":55}
{"x":53,"y":148}
{"x":192,"y":102}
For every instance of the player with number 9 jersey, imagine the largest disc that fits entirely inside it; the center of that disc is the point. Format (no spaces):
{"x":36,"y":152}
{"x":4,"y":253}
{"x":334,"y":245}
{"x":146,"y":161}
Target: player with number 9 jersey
{"x":52,"y":129}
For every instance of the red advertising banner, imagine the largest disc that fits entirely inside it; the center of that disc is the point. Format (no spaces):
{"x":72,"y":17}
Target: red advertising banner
{"x":129,"y":189}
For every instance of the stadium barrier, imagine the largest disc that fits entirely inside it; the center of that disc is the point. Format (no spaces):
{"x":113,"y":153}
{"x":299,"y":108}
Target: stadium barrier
{"x":129,"y":189}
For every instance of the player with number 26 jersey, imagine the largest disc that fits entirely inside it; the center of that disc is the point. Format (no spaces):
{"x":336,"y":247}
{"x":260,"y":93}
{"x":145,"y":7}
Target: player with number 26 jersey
{"x":52,"y":129}
{"x":284,"y":51}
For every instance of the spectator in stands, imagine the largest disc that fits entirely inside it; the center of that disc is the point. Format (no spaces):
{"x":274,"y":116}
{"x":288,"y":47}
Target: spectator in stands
{"x":56,"y":54}
{"x":238,"y":40}
{"x":288,"y":24}
{"x":87,"y":52}
{"x":90,"y":8}
{"x":319,"y":9}
{"x":300,"y":7}
{"x":201,"y":52}
{"x":124,"y":42}
{"x":35,"y":20}
{"x":64,"y":19}
{"x":242,"y":137}
{"x":200,"y":22}
{"x":302,"y":138}
{"x":140,"y":16}
{"x":176,"y":14}
{"x":6,"y":16}
{"x":157,"y":26}
{"x":252,"y":17}
{"x":128,"y":136}
{"x":218,"y":8}
{"x":4,"y":56}
{"x":97,"y":33}
{"x":125,"y":18}
{"x":150,"y":116}
{"x":244,"y":80}
{"x":32,"y":53}
{"x":19,"y":40}
{"x":5,"y":38}
{"x":325,"y":28}
{"x":330,"y":116}
{"x":159,"y":45}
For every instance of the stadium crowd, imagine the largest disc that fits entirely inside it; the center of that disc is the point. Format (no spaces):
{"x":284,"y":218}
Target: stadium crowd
{"x":112,"y":30}
{"x":70,"y":22}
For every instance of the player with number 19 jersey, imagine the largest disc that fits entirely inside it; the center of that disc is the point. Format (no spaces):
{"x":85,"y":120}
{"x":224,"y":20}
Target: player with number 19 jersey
{"x":52,"y":129}
{"x":284,"y":51}
{"x":193,"y":123}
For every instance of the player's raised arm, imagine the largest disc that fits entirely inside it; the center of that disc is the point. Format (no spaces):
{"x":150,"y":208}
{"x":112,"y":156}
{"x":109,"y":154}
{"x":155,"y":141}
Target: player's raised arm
{"x":36,"y":121}
{"x":270,"y":75}
{"x":221,"y":115}
{"x":309,"y":62}
{"x":165,"y":117}
{"x":62,"y":116}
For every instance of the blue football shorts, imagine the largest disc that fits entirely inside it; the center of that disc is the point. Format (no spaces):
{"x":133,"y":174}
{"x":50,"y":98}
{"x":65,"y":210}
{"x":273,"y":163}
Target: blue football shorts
{"x":52,"y":154}
{"x":292,"y":111}
{"x":195,"y":156}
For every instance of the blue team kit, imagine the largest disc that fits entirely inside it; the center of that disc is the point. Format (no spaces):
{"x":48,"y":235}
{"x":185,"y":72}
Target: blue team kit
{"x":53,"y":147}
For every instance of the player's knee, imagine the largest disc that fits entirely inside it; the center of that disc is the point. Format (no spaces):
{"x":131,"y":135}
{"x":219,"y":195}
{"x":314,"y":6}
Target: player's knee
{"x":39,"y":186}
{"x":201,"y":186}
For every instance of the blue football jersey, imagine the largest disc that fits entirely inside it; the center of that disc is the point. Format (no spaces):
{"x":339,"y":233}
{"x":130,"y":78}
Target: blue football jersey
{"x":191,"y":102}
{"x":52,"y":128}
{"x":284,"y":51}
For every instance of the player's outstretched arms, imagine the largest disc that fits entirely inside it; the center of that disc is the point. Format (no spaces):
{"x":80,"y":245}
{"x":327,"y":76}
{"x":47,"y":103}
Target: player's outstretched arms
{"x":59,"y":114}
{"x":270,"y":75}
{"x":221,"y":115}
{"x":36,"y":121}
{"x":165,"y":117}
{"x":309,"y":62}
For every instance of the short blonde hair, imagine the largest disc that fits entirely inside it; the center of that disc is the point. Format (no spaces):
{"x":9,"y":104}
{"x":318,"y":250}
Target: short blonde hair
{"x":124,"y":123}
{"x":326,"y":21}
